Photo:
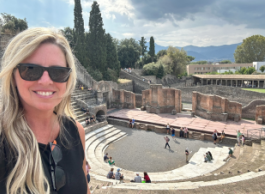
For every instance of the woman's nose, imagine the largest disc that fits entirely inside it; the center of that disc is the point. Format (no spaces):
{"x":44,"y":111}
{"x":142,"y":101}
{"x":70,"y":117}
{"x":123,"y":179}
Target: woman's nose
{"x":45,"y":78}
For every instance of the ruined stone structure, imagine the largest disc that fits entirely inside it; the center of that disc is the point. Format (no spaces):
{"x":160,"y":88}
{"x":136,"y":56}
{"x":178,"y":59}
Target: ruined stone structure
{"x":158,"y":100}
{"x":215,"y":108}
{"x":123,"y":99}
{"x":260,"y":114}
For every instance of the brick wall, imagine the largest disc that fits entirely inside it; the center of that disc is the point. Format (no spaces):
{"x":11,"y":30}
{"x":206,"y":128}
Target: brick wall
{"x":231,"y":93}
{"x":126,"y":86}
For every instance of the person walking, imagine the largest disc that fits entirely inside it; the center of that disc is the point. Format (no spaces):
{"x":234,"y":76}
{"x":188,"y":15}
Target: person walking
{"x":167,"y":140}
{"x":187,"y":155}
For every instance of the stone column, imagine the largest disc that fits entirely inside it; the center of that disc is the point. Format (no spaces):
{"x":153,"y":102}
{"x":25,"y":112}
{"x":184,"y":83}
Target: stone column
{"x":216,"y":82}
{"x":236,"y":82}
{"x":252,"y":83}
{"x":211,"y":81}
{"x":194,"y":101}
{"x":226,"y":82}
{"x":258,"y":83}
{"x":264,"y":84}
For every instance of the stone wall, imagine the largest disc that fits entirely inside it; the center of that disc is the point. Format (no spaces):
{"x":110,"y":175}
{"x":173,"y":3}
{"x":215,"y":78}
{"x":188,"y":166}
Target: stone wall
{"x":126,"y":86}
{"x":215,"y":108}
{"x":231,"y":93}
{"x":138,"y":84}
{"x":159,"y":100}
{"x":138,"y":100}
{"x":152,"y":78}
{"x":249,"y":111}
{"x":260,"y":114}
{"x":123,"y":99}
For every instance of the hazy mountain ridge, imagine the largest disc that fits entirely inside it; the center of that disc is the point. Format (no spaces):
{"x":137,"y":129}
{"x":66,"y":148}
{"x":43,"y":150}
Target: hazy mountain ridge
{"x":208,"y":53}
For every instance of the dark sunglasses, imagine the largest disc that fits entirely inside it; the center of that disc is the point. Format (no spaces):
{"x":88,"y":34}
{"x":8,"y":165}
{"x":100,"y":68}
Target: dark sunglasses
{"x":57,"y":173}
{"x":32,"y":72}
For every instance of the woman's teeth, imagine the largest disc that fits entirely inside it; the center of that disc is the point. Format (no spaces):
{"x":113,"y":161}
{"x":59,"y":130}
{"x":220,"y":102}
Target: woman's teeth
{"x":45,"y":93}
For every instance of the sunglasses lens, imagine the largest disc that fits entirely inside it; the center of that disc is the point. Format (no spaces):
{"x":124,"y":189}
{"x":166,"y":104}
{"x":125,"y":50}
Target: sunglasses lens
{"x":60,"y":178}
{"x":30,"y":72}
{"x":58,"y":74}
{"x":56,"y":153}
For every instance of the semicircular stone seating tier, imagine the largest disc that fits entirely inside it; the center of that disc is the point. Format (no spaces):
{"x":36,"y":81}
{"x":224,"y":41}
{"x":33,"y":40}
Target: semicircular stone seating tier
{"x":97,"y":141}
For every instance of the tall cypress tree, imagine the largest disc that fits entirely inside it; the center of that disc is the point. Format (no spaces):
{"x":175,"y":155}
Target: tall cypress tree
{"x":152,"y":48}
{"x":142,"y":43}
{"x":96,"y":41}
{"x":79,"y":33}
{"x":112,"y":56}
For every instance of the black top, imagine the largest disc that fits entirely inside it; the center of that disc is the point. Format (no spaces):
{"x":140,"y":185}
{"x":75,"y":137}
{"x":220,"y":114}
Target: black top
{"x":72,"y":162}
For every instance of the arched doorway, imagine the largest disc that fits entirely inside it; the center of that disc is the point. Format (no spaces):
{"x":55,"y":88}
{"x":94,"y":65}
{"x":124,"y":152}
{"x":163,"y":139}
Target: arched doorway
{"x":100,"y":116}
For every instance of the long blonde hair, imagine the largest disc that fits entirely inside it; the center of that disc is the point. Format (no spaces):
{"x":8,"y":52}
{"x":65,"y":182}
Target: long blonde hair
{"x":27,"y":174}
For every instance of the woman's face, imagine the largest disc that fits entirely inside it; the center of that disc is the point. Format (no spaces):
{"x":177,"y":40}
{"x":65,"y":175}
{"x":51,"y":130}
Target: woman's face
{"x":43,"y":94}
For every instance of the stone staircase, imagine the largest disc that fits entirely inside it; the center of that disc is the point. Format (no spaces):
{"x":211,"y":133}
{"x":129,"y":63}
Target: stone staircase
{"x":86,"y":96}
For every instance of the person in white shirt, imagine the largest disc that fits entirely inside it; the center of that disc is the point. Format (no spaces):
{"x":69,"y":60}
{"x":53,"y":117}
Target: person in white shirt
{"x":138,"y":178}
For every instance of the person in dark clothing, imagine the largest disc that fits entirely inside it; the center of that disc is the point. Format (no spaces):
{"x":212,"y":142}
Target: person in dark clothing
{"x":42,"y":149}
{"x":181,"y":133}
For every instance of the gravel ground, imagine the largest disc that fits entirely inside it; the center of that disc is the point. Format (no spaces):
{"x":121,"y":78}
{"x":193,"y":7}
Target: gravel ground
{"x":145,"y":151}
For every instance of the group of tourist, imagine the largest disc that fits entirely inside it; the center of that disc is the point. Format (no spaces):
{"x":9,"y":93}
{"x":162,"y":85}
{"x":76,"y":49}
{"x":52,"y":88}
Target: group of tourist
{"x":108,"y":159}
{"x":240,"y":137}
{"x":184,"y":132}
{"x":208,"y":157}
{"x":128,"y":70}
{"x":90,"y":118}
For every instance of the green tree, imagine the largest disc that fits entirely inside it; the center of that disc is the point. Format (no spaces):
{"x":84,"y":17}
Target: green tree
{"x":225,"y":62}
{"x":252,"y":49}
{"x":200,"y":62}
{"x":250,"y":70}
{"x":96,"y":41}
{"x":142,"y":43}
{"x":69,"y":35}
{"x":262,"y":68}
{"x":160,"y":71}
{"x":11,"y":24}
{"x":179,"y":60}
{"x":112,"y":57}
{"x":161,"y":53}
{"x":128,"y":52}
{"x":79,"y":34}
{"x":152,"y":48}
{"x":190,"y":58}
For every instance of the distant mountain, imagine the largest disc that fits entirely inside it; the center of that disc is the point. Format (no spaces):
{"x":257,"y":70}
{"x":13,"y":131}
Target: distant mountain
{"x":208,"y":53}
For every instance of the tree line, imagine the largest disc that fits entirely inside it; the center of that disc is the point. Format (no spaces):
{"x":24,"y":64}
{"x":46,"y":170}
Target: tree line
{"x":103,"y":56}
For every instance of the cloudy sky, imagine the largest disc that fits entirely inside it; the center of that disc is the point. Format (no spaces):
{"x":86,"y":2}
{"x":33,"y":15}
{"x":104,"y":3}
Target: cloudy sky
{"x":171,"y":22}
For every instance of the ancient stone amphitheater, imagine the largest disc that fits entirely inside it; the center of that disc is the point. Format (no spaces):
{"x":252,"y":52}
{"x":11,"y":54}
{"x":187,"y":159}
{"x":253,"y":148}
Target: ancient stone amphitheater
{"x":241,"y":174}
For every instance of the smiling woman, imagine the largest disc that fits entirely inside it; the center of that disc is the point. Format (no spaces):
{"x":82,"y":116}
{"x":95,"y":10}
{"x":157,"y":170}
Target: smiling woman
{"x":40,"y":142}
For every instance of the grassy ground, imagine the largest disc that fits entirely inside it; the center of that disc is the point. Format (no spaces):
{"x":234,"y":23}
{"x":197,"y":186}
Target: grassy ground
{"x":123,"y":81}
{"x":255,"y":90}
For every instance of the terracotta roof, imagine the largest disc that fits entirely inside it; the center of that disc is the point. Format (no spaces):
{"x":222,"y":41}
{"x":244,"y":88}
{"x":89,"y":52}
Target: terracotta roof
{"x":233,"y":76}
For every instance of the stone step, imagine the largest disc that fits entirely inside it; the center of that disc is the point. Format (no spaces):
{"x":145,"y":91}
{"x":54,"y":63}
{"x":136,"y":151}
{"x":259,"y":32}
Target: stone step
{"x":187,"y":185}
{"x":93,"y":133}
{"x":196,"y":166}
